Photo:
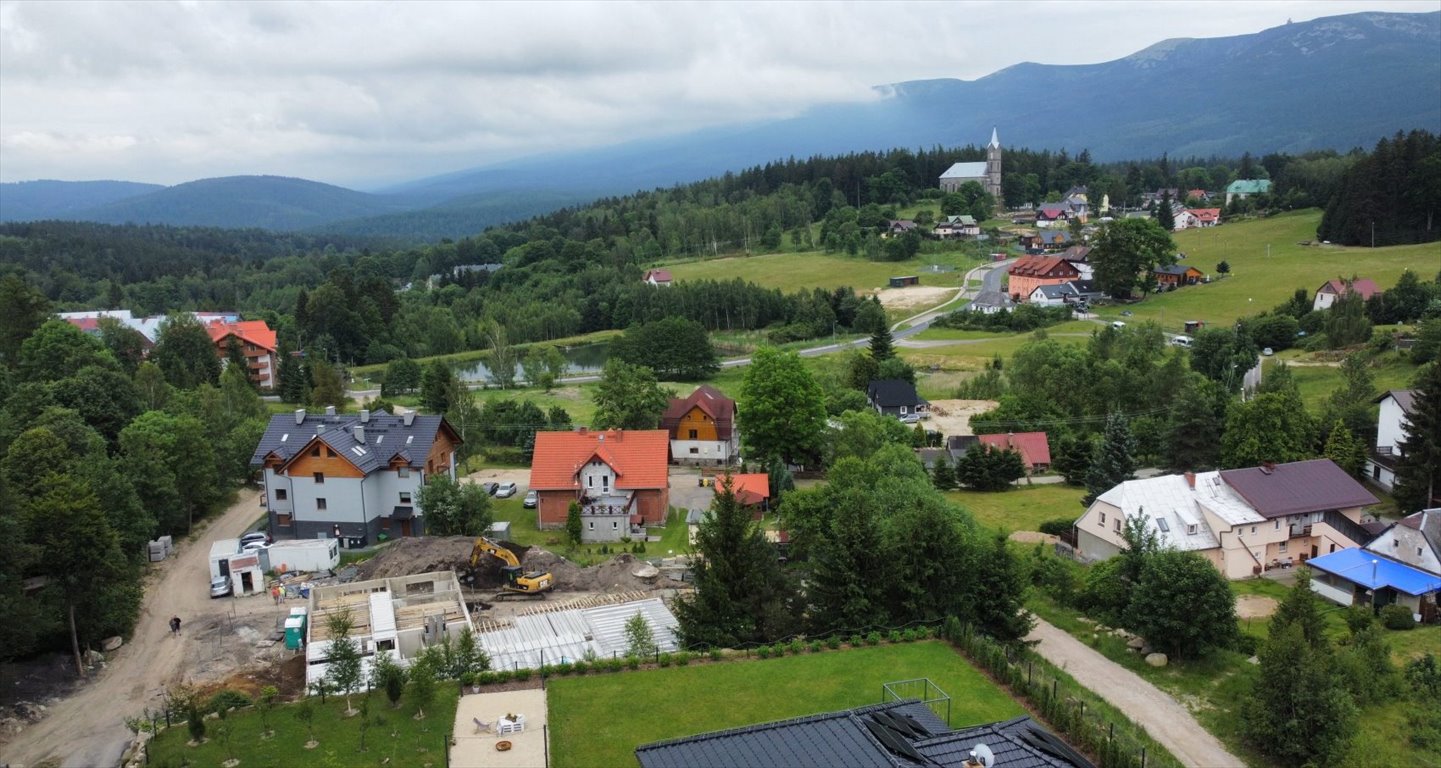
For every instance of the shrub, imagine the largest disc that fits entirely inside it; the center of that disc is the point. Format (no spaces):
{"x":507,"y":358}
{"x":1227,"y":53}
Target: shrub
{"x":224,"y":699}
{"x":815,"y":646}
{"x":1247,"y":644}
{"x":1059,"y":526}
{"x":520,"y":675}
{"x":764,"y":651}
{"x":910,"y":635}
{"x":952,"y":629}
{"x":894,"y":636}
{"x":580,"y":667}
{"x":797,"y":647}
{"x":1358,"y":618}
{"x":664,"y":660}
{"x":715,"y":654}
{"x":632,"y":662}
{"x":682,"y":658}
{"x":854,"y":641}
{"x":1397,"y":617}
{"x":873,"y":638}
{"x":833,"y":642}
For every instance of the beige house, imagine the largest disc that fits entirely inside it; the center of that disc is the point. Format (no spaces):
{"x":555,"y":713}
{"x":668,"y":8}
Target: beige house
{"x":1242,"y":520}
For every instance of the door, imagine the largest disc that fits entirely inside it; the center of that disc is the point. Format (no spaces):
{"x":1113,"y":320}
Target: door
{"x":247,"y":582}
{"x":405,"y":528}
{"x":1313,"y":550}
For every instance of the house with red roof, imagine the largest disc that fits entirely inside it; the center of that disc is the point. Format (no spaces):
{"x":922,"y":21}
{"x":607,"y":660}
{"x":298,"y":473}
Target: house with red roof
{"x":658,"y":277}
{"x":1332,"y":290}
{"x":752,"y":490}
{"x":1029,"y":272}
{"x":1034,"y":448}
{"x":702,"y":428}
{"x":1204,"y":217}
{"x":257,"y":344}
{"x":620,"y":478}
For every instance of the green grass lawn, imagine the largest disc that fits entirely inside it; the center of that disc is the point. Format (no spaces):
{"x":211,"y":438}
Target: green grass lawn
{"x":523,"y":530}
{"x":600,"y":720}
{"x":1259,"y":282}
{"x":394,"y":734}
{"x":1316,"y":381}
{"x":814,"y":269}
{"x":1023,"y":508}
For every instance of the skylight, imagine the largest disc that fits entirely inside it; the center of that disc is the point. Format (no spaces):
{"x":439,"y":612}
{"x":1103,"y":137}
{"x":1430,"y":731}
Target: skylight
{"x":1163,"y":525}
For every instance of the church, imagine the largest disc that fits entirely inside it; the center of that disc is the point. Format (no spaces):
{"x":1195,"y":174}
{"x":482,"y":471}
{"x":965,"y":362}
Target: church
{"x":987,"y":173}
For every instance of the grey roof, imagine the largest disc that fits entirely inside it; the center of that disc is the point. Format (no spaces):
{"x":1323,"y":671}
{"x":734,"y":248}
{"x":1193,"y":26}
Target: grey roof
{"x":1406,"y":398}
{"x":991,"y":299}
{"x":1054,"y":291}
{"x":889,"y":393}
{"x":1297,"y":487}
{"x":1085,"y":286}
{"x":1174,"y":269}
{"x":904,"y":734}
{"x":386,"y":437}
{"x":976,"y":170}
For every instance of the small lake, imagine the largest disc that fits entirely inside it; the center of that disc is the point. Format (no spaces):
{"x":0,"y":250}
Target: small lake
{"x":580,"y":359}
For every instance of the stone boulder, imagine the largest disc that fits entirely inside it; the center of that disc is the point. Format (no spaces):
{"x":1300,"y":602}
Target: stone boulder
{"x":1157,"y":660}
{"x":1135,"y":643}
{"x":111,"y":643}
{"x":646,"y":572}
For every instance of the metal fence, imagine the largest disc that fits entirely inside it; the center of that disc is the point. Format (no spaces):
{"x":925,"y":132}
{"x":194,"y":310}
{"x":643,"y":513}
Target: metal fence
{"x":923,"y":689}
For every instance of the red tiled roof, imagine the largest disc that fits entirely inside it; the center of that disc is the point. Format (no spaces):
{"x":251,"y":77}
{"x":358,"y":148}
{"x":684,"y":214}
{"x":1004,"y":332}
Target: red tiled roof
{"x":1043,"y":266}
{"x":658,"y":275}
{"x":254,"y":331}
{"x":86,"y":324}
{"x":638,"y":457}
{"x":1297,"y":487}
{"x":1205,"y":214}
{"x":751,"y":489}
{"x":712,"y":401}
{"x":1033,"y":446}
{"x":1364,"y":286}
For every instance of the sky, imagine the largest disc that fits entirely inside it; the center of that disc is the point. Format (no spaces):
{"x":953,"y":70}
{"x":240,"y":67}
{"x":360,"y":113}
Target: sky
{"x":362,"y":94}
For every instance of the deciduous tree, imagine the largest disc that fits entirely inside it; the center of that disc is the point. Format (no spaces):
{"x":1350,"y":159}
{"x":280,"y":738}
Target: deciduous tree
{"x":185,"y":352}
{"x":782,"y":408}
{"x":1183,"y":605}
{"x":454,"y":509}
{"x":1127,"y":250}
{"x":628,"y":397}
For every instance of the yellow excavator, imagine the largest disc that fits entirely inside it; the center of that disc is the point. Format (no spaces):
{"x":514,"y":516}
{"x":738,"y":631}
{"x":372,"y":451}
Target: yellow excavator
{"x":515,"y":582}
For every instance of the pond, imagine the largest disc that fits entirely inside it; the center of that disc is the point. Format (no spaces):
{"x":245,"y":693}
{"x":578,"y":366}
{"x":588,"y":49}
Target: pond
{"x":580,"y":359}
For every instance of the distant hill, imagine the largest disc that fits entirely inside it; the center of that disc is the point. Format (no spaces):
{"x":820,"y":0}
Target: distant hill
{"x":1332,"y":83}
{"x":31,"y":200}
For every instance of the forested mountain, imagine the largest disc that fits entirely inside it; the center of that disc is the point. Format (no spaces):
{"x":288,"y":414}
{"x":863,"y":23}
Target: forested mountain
{"x":1334,"y":83}
{"x":47,"y":199}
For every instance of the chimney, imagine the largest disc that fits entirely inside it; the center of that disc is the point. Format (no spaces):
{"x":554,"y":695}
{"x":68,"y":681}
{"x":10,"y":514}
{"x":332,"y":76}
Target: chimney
{"x":581,"y":430}
{"x":364,"y":416}
{"x":1191,"y":479}
{"x":329,"y":410}
{"x":1267,"y":467}
{"x":408,"y":419}
{"x":299,"y":415}
{"x":360,"y":434}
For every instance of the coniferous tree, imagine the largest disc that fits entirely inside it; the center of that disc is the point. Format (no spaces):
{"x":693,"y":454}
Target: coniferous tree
{"x":435,"y":382}
{"x":741,"y":595}
{"x":1115,"y":459}
{"x":1418,"y":469}
{"x":294,"y":381}
{"x":882,"y":344}
{"x":1298,"y":710}
{"x":1164,"y":215}
{"x":847,"y":589}
{"x":942,"y":475}
{"x":1344,"y":449}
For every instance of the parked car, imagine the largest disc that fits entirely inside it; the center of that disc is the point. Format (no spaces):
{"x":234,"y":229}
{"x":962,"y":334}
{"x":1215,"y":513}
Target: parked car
{"x":1181,"y":341}
{"x":1117,"y":324}
{"x":1267,"y":352}
{"x":254,"y":546}
{"x":260,"y":536}
{"x":490,"y":487}
{"x":532,"y":499}
{"x":219,"y":587}
{"x":910,"y":418}
{"x":505,"y":491}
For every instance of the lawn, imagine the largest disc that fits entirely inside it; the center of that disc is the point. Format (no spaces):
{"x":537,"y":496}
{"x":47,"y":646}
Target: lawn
{"x":394,"y":736}
{"x":1066,"y":329}
{"x":1316,"y":380}
{"x":1023,"y":508}
{"x":600,"y":720}
{"x":1259,"y":281}
{"x":814,"y":269}
{"x":523,"y":531}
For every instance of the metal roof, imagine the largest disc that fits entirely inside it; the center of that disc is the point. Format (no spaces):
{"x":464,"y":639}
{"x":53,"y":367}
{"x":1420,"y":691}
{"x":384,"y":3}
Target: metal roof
{"x":1168,"y":503}
{"x":1297,"y":487}
{"x":976,"y":170}
{"x":566,"y":636}
{"x":890,"y":393}
{"x":1373,"y":571}
{"x":385,"y":437}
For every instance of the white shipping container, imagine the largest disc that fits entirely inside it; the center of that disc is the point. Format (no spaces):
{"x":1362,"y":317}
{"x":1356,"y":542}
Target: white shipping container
{"x":310,"y":555}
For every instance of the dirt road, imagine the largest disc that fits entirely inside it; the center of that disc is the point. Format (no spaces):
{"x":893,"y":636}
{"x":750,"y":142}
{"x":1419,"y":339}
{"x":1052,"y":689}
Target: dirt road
{"x":1167,"y":721}
{"x":88,"y":729}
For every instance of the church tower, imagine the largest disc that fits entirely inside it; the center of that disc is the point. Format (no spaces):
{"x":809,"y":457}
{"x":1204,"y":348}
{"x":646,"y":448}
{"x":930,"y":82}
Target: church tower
{"x":993,"y":169}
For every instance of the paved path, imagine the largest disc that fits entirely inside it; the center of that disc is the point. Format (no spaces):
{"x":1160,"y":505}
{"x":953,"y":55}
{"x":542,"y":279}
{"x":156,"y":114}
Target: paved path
{"x":1163,"y":718}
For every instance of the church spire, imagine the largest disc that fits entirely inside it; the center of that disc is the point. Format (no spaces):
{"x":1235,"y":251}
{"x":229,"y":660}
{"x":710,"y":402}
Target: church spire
{"x":995,"y":139}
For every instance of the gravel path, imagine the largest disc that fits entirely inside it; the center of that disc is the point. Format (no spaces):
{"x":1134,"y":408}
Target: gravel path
{"x":1163,"y":718}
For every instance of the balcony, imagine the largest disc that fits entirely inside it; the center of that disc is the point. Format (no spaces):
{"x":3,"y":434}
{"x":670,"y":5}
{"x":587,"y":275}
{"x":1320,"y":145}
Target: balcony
{"x":1301,"y":531}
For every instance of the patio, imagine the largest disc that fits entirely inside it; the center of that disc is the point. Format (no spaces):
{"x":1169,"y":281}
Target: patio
{"x":472,"y":747}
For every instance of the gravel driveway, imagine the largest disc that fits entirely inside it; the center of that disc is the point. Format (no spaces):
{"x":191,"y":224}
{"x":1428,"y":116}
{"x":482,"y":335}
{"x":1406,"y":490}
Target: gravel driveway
{"x":1166,"y":720}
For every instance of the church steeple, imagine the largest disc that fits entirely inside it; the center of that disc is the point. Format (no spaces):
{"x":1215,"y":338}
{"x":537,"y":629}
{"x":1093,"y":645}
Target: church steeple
{"x":995,"y":139}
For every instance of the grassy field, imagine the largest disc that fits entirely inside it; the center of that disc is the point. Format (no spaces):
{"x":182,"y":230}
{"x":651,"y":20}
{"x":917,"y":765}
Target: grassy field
{"x":1259,"y":281}
{"x":1023,"y":508}
{"x":600,"y":720}
{"x":1214,"y":687}
{"x":1317,"y":379}
{"x":674,"y":536}
{"x":815,"y":269}
{"x":394,"y":737}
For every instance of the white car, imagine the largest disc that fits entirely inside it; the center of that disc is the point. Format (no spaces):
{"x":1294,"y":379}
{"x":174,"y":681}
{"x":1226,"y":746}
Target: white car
{"x":1117,"y":324}
{"x":505,"y":491}
{"x":219,"y":587}
{"x":260,"y":536}
{"x":253,"y":546}
{"x":911,"y":418}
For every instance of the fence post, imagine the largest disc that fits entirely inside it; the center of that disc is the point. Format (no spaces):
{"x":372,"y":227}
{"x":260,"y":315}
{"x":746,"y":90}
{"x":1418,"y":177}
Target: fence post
{"x":1054,"y":683}
{"x":1143,"y":756}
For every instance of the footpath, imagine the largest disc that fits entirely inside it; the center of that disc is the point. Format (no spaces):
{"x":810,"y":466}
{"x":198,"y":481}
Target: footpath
{"x":1153,"y":709}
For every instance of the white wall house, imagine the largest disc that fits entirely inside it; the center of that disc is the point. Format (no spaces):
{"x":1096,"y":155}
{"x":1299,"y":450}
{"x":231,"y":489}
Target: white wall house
{"x":1390,"y":426}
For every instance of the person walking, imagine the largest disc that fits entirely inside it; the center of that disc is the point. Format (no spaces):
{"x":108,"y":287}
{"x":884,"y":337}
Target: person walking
{"x":175,"y":625}
{"x":275,"y":593}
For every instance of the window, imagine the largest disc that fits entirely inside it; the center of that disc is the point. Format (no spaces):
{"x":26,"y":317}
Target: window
{"x":1117,"y":524}
{"x":385,"y":523}
{"x":281,"y":494}
{"x":403,"y":472}
{"x":1163,"y":525}
{"x":1278,"y":523}
{"x":694,"y":451}
{"x":1418,"y":551}
{"x":1191,"y":529}
{"x":590,"y":481}
{"x":614,"y":525}
{"x":1253,"y":530}
{"x":1281,"y":547}
{"x":315,"y":451}
{"x":319,"y":504}
{"x":903,"y":410}
{"x":605,"y":482}
{"x":1376,"y":472}
{"x":590,"y":525}
{"x":1103,"y":519}
{"x":694,"y":435}
{"x":282,"y":518}
{"x":319,"y":477}
{"x":405,"y":497}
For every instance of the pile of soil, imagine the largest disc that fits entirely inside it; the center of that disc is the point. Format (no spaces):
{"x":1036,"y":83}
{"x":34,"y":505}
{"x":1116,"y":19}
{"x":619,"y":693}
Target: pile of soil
{"x":443,"y":553}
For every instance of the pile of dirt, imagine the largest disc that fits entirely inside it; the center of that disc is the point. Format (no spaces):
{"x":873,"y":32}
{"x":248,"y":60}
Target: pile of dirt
{"x":442,"y":553}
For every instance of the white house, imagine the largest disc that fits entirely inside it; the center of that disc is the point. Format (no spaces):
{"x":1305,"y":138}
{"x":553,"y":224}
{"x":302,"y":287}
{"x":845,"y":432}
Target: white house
{"x":1381,"y":461}
{"x":1402,"y":565}
{"x":1332,"y":290}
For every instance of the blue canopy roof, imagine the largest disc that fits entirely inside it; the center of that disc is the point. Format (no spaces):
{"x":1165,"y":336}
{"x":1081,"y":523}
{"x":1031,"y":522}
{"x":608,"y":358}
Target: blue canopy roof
{"x":1371,"y":570}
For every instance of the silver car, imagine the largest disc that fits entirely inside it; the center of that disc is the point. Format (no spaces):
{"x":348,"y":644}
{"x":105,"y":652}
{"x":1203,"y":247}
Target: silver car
{"x":219,"y":587}
{"x":505,"y":491}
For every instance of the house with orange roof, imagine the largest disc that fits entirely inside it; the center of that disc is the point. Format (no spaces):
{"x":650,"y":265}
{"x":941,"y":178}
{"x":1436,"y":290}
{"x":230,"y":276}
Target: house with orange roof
{"x":658,"y":277}
{"x":620,"y":478}
{"x":1204,"y":217}
{"x":1034,"y":448}
{"x":752,"y":490}
{"x":702,"y":428}
{"x":257,"y":345}
{"x":1030,"y":272}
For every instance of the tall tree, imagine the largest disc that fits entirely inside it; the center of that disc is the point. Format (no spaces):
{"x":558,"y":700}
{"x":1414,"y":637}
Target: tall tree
{"x":343,"y":670}
{"x":628,"y":397}
{"x":294,"y":379}
{"x":996,"y":591}
{"x":741,"y":595}
{"x":328,"y":388}
{"x":882,"y":344}
{"x":673,"y":347}
{"x":1165,"y":217}
{"x":782,"y":408}
{"x":1183,"y":605}
{"x":1115,"y":460}
{"x":1298,"y":711}
{"x":1344,"y":449}
{"x":1193,"y":440}
{"x":1126,"y":251}
{"x":1272,"y":426}
{"x":848,"y":588}
{"x":185,"y":352}
{"x":402,"y":375}
{"x":126,"y":344}
{"x":1418,"y":469}
{"x":22,"y":310}
{"x":57,"y":350}
{"x":435,"y":381}
{"x":503,"y":357}
{"x":454,"y":509}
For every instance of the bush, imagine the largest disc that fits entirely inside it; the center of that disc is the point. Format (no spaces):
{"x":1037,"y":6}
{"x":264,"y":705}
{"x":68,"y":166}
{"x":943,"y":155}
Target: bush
{"x":1246,"y":644}
{"x":682,"y":658}
{"x":894,"y":636}
{"x":580,"y":667}
{"x":833,"y":642}
{"x":797,"y":647}
{"x":1358,"y":618}
{"x":225,"y":699}
{"x":855,"y":641}
{"x":1059,"y":526}
{"x":764,"y":651}
{"x":632,"y":662}
{"x":664,"y":660}
{"x":873,"y":638}
{"x":520,"y":675}
{"x":1397,"y":617}
{"x":815,"y":646}
{"x":715,"y":654}
{"x":614,"y":665}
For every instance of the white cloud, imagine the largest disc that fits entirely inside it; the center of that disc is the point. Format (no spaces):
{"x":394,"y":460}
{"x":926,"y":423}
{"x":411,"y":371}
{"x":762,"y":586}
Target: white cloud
{"x":358,"y":92}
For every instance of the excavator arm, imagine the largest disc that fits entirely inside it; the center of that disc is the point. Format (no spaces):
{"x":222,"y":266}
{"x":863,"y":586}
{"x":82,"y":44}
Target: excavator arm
{"x":484,"y":546}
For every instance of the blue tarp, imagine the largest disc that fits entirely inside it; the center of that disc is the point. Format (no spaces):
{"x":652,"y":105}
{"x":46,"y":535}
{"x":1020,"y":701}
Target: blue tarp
{"x":1373,"y":571}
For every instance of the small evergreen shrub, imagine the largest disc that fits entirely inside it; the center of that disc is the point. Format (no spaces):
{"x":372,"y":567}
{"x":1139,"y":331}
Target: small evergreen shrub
{"x":833,"y":642}
{"x":873,"y":638}
{"x":854,"y":641}
{"x":632,"y":662}
{"x":815,"y":646}
{"x":797,"y":647}
{"x":764,"y":651}
{"x":1397,"y":617}
{"x":894,"y":636}
{"x":580,"y":667}
{"x":664,"y":660}
{"x":715,"y":654}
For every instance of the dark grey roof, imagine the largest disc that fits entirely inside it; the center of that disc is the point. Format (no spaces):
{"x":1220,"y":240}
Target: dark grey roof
{"x":1406,"y":398}
{"x":961,"y":443}
{"x":1300,"y":486}
{"x":386,"y":437}
{"x":902,"y":734}
{"x":991,"y":299}
{"x":1054,"y":291}
{"x":1174,"y":269}
{"x":890,"y":393}
{"x":1085,"y":287}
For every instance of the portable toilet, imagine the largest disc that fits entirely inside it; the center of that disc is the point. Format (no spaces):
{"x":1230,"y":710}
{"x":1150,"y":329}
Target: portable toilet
{"x":302,"y":613}
{"x":294,"y":633}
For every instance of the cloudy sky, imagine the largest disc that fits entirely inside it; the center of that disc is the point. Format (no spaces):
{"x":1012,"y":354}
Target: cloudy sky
{"x":362,"y":94}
